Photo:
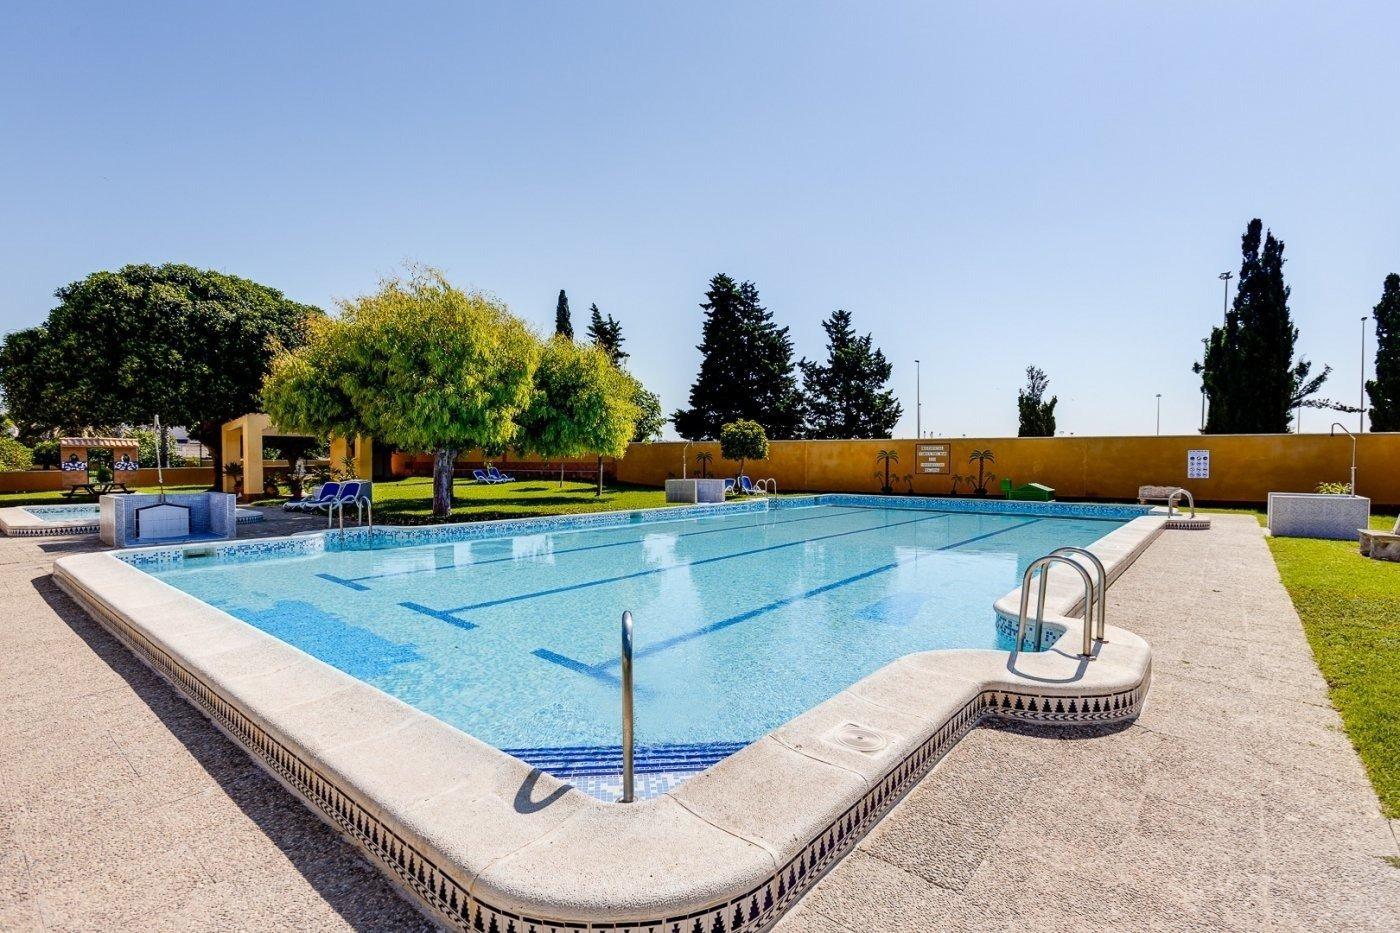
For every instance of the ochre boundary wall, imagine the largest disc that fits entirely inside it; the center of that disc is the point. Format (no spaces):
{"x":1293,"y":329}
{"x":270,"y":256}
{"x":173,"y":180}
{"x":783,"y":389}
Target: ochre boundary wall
{"x":1244,"y":468}
{"x":51,"y":480}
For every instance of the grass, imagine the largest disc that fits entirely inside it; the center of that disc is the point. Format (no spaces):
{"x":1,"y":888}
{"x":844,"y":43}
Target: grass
{"x":410,"y":501}
{"x":1350,"y":607}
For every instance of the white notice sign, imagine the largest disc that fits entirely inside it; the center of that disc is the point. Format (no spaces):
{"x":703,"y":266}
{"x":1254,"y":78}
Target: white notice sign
{"x":1198,"y":464}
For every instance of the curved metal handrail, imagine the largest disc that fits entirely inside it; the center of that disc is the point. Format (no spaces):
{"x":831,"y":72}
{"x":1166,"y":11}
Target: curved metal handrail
{"x":1045,"y":562}
{"x":1102,"y":573}
{"x":1190,"y":500}
{"x":770,"y":486}
{"x":627,"y":766}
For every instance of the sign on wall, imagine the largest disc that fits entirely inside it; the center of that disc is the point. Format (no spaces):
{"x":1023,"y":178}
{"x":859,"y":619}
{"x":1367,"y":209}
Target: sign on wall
{"x":933,"y":458}
{"x":1198,"y":464}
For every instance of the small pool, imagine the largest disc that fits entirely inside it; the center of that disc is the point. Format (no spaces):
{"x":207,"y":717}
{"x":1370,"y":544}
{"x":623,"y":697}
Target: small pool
{"x":91,"y":513}
{"x":743,"y":621}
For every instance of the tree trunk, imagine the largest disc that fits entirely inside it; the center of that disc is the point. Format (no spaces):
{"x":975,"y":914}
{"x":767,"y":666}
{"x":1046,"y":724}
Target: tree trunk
{"x":561,"y":474}
{"x":600,"y":477}
{"x":211,"y":435}
{"x":443,"y":462}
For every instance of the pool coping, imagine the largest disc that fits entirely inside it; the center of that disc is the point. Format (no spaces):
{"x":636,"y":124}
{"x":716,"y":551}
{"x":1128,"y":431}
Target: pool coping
{"x":482,"y":841}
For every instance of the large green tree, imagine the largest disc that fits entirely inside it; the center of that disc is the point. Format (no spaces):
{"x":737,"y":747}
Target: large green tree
{"x":581,"y":404}
{"x":419,"y":364}
{"x":1384,"y":390}
{"x":1251,"y":381}
{"x":848,"y":395}
{"x":746,"y":368}
{"x":189,"y":345}
{"x":650,"y":419}
{"x":1036,"y":414}
{"x":563,"y":321}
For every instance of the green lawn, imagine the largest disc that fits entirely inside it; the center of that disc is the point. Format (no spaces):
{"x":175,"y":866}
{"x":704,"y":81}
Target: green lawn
{"x":1350,"y":607}
{"x":410,"y":501}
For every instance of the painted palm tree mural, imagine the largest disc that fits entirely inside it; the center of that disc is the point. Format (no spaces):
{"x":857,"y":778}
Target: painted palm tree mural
{"x":982,"y":458}
{"x":702,"y":460}
{"x":887,"y":457}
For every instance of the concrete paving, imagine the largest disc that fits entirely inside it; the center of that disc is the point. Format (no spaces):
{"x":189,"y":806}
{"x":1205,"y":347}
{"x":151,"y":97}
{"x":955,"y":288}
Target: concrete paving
{"x":1235,"y":802}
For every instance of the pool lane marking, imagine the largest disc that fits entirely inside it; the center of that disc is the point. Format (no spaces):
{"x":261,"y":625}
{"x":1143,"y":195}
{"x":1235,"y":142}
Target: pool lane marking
{"x":442,"y":616}
{"x":354,"y":584}
{"x":603,"y":581}
{"x":600,"y":670}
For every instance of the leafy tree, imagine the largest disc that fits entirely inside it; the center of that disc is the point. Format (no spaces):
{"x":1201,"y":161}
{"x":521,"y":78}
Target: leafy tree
{"x":563,"y":323}
{"x":189,"y":345}
{"x":1384,"y":390}
{"x":848,"y":396}
{"x":606,"y":332}
{"x":746,"y":369}
{"x":1037,"y":415}
{"x":650,"y":420}
{"x":14,"y":455}
{"x":1250,"y":379}
{"x":887,"y":457}
{"x":743,"y":440}
{"x":419,"y":364}
{"x":46,"y":454}
{"x":581,"y":404}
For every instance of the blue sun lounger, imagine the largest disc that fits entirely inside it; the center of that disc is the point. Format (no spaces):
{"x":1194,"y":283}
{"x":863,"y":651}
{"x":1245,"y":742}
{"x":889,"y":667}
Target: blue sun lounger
{"x":325,"y":495}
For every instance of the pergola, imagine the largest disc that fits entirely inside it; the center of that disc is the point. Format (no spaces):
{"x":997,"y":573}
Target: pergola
{"x":73,"y":457}
{"x":245,"y":437}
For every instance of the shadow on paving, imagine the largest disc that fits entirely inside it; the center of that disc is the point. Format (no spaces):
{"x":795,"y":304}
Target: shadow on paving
{"x":362,"y":897}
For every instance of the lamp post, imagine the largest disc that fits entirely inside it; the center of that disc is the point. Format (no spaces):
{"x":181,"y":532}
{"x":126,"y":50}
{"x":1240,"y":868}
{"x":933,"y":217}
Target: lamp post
{"x":1159,"y":413}
{"x":918,"y":402}
{"x":1361,"y":400}
{"x":1225,"y":302}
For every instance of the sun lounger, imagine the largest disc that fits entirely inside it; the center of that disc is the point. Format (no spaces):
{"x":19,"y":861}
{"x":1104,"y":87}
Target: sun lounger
{"x":322,"y":496}
{"x":497,"y":476}
{"x":747,"y":487}
{"x":482,"y":478}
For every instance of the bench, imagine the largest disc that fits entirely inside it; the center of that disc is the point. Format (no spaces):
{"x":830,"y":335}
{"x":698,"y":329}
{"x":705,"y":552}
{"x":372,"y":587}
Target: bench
{"x":1381,"y":545}
{"x":1157,"y":493}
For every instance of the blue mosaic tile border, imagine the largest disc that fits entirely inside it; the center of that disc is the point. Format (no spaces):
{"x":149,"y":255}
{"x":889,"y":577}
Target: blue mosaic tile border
{"x":988,"y":506}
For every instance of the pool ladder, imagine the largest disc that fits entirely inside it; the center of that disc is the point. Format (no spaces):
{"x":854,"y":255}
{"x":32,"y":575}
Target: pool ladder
{"x":361,"y":505}
{"x":1172,"y":500}
{"x":1095,"y":588}
{"x":627,"y":763}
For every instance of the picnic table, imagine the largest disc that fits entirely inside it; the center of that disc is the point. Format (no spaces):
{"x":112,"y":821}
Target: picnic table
{"x":96,"y":489}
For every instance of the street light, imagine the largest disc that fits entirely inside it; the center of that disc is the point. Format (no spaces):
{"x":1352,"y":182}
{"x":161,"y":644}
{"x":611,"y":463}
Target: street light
{"x":1159,"y":413}
{"x":1361,"y":401}
{"x":918,"y":402}
{"x":1225,"y":302}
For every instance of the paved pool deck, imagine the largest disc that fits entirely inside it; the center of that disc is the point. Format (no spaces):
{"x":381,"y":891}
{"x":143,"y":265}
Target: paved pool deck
{"x":1235,"y":802}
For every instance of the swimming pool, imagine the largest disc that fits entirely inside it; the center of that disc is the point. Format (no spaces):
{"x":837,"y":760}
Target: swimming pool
{"x":742,"y":621}
{"x":509,"y":629}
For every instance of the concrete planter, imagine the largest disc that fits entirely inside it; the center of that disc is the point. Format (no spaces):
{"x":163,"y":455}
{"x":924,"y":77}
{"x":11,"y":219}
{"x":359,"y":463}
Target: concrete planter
{"x":1316,"y":515}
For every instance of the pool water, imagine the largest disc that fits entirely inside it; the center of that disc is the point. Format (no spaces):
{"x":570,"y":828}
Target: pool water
{"x":741,"y":622}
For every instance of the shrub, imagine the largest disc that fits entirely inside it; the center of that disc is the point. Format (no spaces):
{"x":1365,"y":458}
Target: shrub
{"x":743,"y":440}
{"x":14,"y":455}
{"x":1334,"y":489}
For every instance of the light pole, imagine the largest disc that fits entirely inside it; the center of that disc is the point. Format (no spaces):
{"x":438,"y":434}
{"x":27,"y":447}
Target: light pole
{"x":1159,"y":414}
{"x":918,"y":402}
{"x":1225,"y":302}
{"x":1361,"y":401}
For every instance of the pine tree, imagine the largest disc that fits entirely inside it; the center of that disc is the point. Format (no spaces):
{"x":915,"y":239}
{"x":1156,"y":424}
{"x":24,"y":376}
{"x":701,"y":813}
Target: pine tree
{"x":1384,"y":390}
{"x":606,"y":332}
{"x":1248,"y":372}
{"x":563,"y":323}
{"x":848,"y":396}
{"x":1037,"y":415}
{"x":746,"y":369}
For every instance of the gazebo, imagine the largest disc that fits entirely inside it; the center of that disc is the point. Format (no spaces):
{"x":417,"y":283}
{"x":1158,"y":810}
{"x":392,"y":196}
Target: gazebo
{"x":74,"y":454}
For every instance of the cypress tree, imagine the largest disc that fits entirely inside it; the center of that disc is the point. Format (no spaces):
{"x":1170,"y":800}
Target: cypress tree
{"x":1037,"y":415}
{"x":848,"y":396}
{"x":563,"y":323}
{"x":1384,"y":390}
{"x":746,"y":368}
{"x":606,"y":332}
{"x":1250,"y":379}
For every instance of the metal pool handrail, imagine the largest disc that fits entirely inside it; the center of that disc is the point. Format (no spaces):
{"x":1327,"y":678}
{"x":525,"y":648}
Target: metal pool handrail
{"x":626,"y":708}
{"x":1190,"y":500}
{"x":1045,"y":562}
{"x":1102,"y":573}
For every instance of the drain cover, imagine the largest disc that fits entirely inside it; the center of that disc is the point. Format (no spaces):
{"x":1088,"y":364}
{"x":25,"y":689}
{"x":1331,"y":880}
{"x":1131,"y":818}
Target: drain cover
{"x":859,"y":737}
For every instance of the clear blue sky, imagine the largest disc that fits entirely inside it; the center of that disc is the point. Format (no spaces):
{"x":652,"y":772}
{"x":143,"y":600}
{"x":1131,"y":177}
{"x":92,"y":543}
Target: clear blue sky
{"x":983,"y":186}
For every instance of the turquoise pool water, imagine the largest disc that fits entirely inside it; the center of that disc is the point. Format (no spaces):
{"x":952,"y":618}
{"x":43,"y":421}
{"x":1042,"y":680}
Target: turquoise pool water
{"x":742,"y":621}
